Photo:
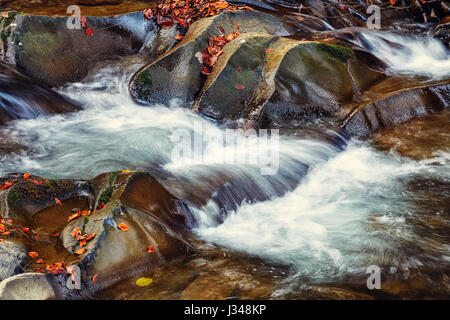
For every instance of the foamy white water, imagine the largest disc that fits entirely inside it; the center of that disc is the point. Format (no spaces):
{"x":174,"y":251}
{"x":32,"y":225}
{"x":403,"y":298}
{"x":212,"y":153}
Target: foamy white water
{"x":404,"y":54}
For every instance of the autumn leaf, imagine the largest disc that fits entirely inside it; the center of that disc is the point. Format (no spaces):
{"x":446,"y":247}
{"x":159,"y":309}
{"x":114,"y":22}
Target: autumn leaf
{"x":75,"y":232}
{"x":143,"y":282}
{"x":7,"y":233}
{"x":80,"y":251}
{"x":150,"y":249}
{"x":83,"y":21}
{"x":7,"y":185}
{"x":37,"y":237}
{"x":239,"y":86}
{"x":126,"y":171}
{"x":58,"y":202}
{"x":33,"y":254}
{"x":239,"y":69}
{"x":89,"y":32}
{"x":82,"y":243}
{"x":5,"y":15}
{"x":178,"y":37}
{"x":94,"y":278}
{"x":90,"y":237}
{"x":55,"y":235}
{"x":123,"y":227}
{"x":268,"y":50}
{"x":26,"y":175}
{"x":392,"y":2}
{"x":74,"y":216}
{"x":26,"y":230}
{"x":40,"y":261}
{"x":205,"y":71}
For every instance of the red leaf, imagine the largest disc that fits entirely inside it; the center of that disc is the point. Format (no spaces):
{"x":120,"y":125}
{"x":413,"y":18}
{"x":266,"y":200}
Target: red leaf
{"x":239,"y":69}
{"x":393,"y":2}
{"x":40,"y":261}
{"x":26,"y":175}
{"x":33,"y":254}
{"x":94,"y":278}
{"x":239,"y":86}
{"x":7,"y":185}
{"x":89,"y":32}
{"x":58,"y":202}
{"x":206,"y":71}
{"x":268,"y":50}
{"x":123,"y":227}
{"x":26,"y":230}
{"x":55,"y":235}
{"x":179,"y":37}
{"x":83,"y":21}
{"x":150,"y":249}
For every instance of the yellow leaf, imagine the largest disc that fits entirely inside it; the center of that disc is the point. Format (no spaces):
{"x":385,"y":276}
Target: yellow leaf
{"x":126,"y":171}
{"x":143,"y":282}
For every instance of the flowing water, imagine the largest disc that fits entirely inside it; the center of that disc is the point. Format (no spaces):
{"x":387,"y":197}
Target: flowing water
{"x":332,"y":209}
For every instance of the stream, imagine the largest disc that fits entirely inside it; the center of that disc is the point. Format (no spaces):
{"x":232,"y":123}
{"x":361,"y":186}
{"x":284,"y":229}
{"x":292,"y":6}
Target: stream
{"x":332,"y":209}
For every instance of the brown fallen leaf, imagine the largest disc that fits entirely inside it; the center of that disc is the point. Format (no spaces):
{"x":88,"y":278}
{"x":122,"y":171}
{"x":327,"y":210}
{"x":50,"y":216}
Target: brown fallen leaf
{"x":123,"y":227}
{"x":80,"y":251}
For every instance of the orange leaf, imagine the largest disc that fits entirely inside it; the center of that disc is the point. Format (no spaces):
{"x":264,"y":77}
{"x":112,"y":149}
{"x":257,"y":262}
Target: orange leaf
{"x":74,"y":216}
{"x":7,"y":233}
{"x":150,"y":249}
{"x":40,"y":261}
{"x":33,"y":254}
{"x":55,"y":235}
{"x":26,"y":175}
{"x":268,"y":50}
{"x":37,"y":237}
{"x":90,"y":237}
{"x":94,"y":278}
{"x":123,"y":227}
{"x":75,"y":232}
{"x":26,"y":230}
{"x":58,"y":202}
{"x":179,"y":37}
{"x":80,"y":251}
{"x":392,"y":2}
{"x":82,"y":243}
{"x":239,"y":86}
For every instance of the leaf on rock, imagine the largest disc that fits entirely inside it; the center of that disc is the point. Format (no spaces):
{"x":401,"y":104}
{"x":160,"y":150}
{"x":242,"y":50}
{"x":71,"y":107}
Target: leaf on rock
{"x":94,"y":278}
{"x":143,"y":282}
{"x":123,"y":227}
{"x":80,"y":251}
{"x":89,"y":32}
{"x":26,"y":175}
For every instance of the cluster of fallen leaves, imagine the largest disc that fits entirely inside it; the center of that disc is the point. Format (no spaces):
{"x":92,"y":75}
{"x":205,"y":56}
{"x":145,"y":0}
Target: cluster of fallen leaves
{"x":82,"y":238}
{"x":184,"y":12}
{"x":215,"y":49}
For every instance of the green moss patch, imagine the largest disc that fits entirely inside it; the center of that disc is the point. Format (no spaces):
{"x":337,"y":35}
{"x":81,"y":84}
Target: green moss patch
{"x":338,"y":52}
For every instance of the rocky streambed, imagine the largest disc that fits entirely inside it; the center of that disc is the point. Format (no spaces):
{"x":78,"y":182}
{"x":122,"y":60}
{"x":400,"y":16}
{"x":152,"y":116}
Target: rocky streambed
{"x":89,"y":122}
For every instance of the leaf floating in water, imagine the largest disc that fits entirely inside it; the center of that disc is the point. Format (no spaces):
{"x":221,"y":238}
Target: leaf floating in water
{"x":33,"y":254}
{"x":26,"y":230}
{"x":55,"y":235}
{"x":150,"y":249}
{"x":123,"y":227}
{"x":40,"y":261}
{"x":392,"y":2}
{"x":239,"y":69}
{"x":239,"y":86}
{"x":143,"y":282}
{"x":94,"y":278}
